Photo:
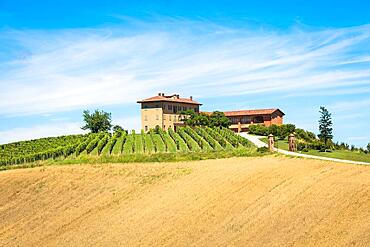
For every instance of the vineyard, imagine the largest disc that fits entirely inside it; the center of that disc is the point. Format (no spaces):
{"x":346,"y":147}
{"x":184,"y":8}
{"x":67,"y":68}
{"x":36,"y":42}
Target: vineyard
{"x":121,"y":143}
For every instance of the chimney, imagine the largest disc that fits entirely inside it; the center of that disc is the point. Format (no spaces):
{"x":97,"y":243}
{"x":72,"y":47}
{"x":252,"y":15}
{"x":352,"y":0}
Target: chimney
{"x":191,"y":97}
{"x":178,"y":96}
{"x":162,"y":94}
{"x":159,"y":94}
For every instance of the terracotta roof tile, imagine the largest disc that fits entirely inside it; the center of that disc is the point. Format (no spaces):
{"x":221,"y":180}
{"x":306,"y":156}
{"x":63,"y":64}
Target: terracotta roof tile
{"x":249,"y":112}
{"x":170,"y":98}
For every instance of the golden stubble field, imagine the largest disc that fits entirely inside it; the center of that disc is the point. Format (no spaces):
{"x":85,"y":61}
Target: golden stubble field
{"x":269,"y":201}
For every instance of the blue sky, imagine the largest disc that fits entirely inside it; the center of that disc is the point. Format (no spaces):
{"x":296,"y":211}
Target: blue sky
{"x":58,"y":58}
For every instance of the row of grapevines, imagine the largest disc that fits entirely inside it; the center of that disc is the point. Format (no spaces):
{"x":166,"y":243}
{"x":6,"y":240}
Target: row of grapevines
{"x":192,"y":144}
{"x":102,"y":143}
{"x":228,"y":135}
{"x":168,"y":141}
{"x":139,"y":147}
{"x":201,"y":142}
{"x":51,"y":153}
{"x":180,"y":143}
{"x":82,"y":146}
{"x":241,"y":140}
{"x":92,"y":144}
{"x":148,"y":143}
{"x":117,"y":148}
{"x":220,"y":139}
{"x":18,"y":149}
{"x":215,"y":145}
{"x":108,"y":148}
{"x":128,"y":146}
{"x":159,"y":145}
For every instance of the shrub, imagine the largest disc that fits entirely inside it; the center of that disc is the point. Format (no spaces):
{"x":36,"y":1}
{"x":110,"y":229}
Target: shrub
{"x":263,"y":150}
{"x":258,"y":129}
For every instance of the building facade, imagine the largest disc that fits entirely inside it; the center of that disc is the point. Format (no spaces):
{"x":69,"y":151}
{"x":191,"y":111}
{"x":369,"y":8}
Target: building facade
{"x":164,"y":111}
{"x":240,"y":120}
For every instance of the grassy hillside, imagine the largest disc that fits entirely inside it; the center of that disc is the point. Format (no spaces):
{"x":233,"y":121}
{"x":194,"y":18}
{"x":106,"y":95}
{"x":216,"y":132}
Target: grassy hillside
{"x":268,"y":201}
{"x":191,"y":143}
{"x":338,"y":154}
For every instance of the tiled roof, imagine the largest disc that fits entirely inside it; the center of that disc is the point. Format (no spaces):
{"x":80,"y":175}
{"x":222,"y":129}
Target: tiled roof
{"x":249,"y":112}
{"x":170,"y":98}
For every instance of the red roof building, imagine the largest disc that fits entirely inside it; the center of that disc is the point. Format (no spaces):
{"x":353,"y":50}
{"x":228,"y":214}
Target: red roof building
{"x":241,"y":119}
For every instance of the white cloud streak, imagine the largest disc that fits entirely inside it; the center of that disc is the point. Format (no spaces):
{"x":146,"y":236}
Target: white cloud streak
{"x":39,"y":131}
{"x":74,"y":69}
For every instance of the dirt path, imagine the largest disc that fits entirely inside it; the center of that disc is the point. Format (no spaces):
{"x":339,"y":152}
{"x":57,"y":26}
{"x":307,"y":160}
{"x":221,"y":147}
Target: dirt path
{"x":256,"y":141}
{"x":237,"y":202}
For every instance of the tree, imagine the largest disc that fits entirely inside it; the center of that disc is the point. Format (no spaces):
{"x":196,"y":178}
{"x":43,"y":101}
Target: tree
{"x":325,"y":126}
{"x":117,"y":128}
{"x":218,"y":119}
{"x":97,"y":121}
{"x":368,"y":147}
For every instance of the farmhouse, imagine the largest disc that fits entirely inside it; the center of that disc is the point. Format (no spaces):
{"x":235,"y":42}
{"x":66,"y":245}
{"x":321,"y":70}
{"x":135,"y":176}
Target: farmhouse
{"x":164,"y":111}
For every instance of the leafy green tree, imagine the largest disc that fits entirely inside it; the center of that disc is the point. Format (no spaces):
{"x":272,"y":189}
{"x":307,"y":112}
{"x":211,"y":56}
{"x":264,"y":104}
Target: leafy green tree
{"x":97,"y":121}
{"x":325,"y":126}
{"x":274,"y":130}
{"x":368,"y":147}
{"x":285,"y":130}
{"x":218,"y":119}
{"x":117,"y":128}
{"x":201,"y":119}
{"x":188,"y":117}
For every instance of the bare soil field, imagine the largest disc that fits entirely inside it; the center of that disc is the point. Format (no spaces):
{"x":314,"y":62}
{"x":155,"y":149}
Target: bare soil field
{"x":269,"y":201}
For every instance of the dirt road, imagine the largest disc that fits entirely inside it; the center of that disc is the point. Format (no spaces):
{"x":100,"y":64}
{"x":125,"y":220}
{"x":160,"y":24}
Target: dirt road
{"x":269,"y":201}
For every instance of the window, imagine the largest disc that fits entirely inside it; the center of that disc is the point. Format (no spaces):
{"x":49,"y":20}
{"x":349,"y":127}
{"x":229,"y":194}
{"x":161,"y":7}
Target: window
{"x":174,"y":109}
{"x":164,"y":126}
{"x":146,"y":128}
{"x":156,"y":106}
{"x":169,"y":127}
{"x":164,"y":117}
{"x":169,"y":107}
{"x":184,"y":108}
{"x":258,"y":119}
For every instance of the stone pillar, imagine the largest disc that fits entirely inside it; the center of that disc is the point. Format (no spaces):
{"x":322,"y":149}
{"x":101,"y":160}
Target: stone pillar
{"x":292,"y":144}
{"x":271,"y":142}
{"x":239,"y":127}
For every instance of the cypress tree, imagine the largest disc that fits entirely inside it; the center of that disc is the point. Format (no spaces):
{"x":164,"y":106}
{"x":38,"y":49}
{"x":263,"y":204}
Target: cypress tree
{"x":325,"y":125}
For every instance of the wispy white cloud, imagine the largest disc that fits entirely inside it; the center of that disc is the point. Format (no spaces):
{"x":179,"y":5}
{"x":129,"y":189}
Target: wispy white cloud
{"x":74,"y":69}
{"x":39,"y":131}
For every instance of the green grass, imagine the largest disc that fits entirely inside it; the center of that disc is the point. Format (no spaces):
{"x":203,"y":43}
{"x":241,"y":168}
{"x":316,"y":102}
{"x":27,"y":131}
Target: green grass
{"x":337,"y":154}
{"x":281,"y":144}
{"x":342,"y":154}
